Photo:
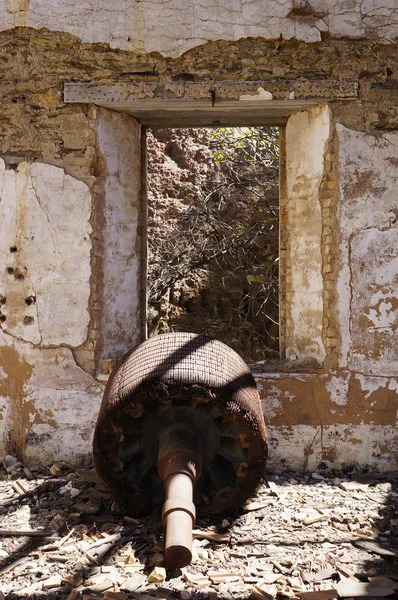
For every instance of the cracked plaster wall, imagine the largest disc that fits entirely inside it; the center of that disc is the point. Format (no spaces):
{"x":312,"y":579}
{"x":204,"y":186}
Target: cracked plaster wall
{"x":119,"y":138}
{"x":45,"y":247}
{"x":345,"y":412}
{"x":338,"y":418}
{"x":307,"y":136}
{"x":48,"y":403}
{"x":367,"y":282}
{"x":348,"y":415}
{"x":174,"y":27}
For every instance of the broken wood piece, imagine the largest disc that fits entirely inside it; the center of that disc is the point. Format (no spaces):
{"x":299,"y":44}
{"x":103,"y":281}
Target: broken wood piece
{"x":274,"y":488}
{"x":199,"y":580}
{"x":90,"y":558}
{"x":315,"y":519}
{"x":279,"y":567}
{"x":318,"y":595}
{"x":307,"y":576}
{"x":52,"y":582}
{"x":211,"y":535}
{"x":260,"y":594}
{"x":324,"y":574}
{"x":58,"y":557}
{"x":99,"y":583}
{"x":18,"y":487}
{"x":26,"y":532}
{"x":350,"y":486}
{"x":157,"y":575}
{"x":252,"y":506}
{"x":346,"y":572}
{"x":354,"y":589}
{"x":66,"y":537}
{"x":269,"y":578}
{"x":372,"y":546}
{"x":105,"y":540}
{"x":74,"y":580}
{"x":133,"y":583}
{"x":223,"y":576}
{"x":364,"y":533}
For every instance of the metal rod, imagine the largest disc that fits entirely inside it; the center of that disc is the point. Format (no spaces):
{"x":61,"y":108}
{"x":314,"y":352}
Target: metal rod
{"x":178,"y":520}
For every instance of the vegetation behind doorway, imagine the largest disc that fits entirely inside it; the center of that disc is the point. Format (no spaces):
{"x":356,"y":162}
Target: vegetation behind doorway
{"x":213,"y":211}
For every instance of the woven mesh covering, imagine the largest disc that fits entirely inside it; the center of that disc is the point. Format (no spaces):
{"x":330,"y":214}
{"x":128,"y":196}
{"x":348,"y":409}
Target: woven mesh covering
{"x":174,"y":367}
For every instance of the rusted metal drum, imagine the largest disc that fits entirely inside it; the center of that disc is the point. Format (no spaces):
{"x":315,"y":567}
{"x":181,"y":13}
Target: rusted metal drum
{"x":180,"y":412}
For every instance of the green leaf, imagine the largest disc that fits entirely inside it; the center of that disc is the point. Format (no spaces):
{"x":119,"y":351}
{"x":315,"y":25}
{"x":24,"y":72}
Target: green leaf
{"x":255,"y":278}
{"x":241,"y":232}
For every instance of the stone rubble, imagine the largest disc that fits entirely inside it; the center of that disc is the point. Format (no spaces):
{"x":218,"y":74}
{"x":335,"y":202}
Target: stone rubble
{"x":305,"y":535}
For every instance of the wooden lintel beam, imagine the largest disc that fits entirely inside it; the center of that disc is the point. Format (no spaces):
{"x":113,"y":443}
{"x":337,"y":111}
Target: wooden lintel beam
{"x":244,"y":92}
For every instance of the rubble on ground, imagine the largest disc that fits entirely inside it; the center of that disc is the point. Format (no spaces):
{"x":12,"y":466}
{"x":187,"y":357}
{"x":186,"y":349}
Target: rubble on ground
{"x":304,"y":535}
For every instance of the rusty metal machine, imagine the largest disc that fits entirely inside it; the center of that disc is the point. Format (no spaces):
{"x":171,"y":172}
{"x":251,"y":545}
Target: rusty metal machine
{"x":181,"y":426}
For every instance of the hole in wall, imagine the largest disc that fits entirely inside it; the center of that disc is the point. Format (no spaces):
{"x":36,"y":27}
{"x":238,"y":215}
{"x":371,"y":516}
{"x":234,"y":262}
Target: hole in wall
{"x":30,"y":300}
{"x":213,"y":233}
{"x":28,"y":320}
{"x":2,"y":318}
{"x":13,"y":249}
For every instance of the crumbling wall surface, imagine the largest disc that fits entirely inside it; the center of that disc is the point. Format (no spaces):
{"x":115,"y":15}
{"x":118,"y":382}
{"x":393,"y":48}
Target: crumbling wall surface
{"x":45,"y":244}
{"x":341,"y":418}
{"x":151,"y":27}
{"x":368,"y":276}
{"x":307,"y":136}
{"x":119,"y":140}
{"x":57,"y":178}
{"x":348,"y":415}
{"x":49,"y":403}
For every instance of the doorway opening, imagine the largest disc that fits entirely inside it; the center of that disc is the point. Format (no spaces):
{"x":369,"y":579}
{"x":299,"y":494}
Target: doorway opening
{"x":213,"y":235}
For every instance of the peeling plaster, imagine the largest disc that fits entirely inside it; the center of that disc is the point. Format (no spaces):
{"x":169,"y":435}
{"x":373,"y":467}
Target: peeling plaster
{"x":337,"y":418}
{"x":367,"y":283}
{"x":174,"y":27}
{"x":369,"y":385}
{"x":298,"y":446}
{"x":45,"y":244}
{"x":305,"y":446}
{"x":262,"y":94}
{"x":272,"y":405}
{"x":50,"y":403}
{"x":338,"y":389}
{"x":119,"y":142}
{"x":374,"y":304}
{"x":307,"y":134}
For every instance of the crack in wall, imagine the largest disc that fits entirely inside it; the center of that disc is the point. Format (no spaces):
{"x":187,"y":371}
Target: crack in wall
{"x":309,"y":450}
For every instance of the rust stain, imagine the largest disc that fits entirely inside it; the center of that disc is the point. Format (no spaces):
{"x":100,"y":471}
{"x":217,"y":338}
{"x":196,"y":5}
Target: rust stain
{"x":23,"y":411}
{"x":40,"y":417}
{"x":329,"y":454}
{"x":17,"y":374}
{"x":364,"y":183}
{"x":306,"y":401}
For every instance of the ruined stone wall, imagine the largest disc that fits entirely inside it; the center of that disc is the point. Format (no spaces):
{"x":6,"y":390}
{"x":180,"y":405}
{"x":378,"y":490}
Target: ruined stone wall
{"x":67,"y":267}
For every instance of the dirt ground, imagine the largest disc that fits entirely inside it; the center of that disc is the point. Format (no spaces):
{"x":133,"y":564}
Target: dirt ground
{"x":305,"y":535}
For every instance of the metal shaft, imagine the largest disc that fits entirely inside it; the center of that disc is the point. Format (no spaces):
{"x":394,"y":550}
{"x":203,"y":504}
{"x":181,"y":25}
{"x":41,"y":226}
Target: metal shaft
{"x":178,"y":521}
{"x":179,"y":465}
